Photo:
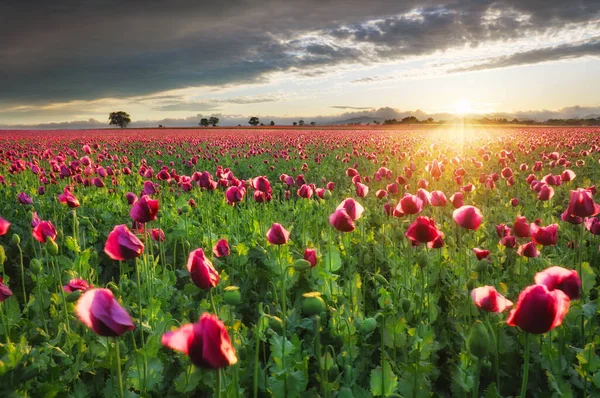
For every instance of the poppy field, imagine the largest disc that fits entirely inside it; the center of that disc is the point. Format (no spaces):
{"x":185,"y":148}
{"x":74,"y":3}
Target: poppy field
{"x":457,"y":261}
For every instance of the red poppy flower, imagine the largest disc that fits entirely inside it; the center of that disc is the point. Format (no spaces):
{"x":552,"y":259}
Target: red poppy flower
{"x":305,"y":191}
{"x":341,"y":220}
{"x":410,"y":204}
{"x":480,"y":253}
{"x":488,"y":299}
{"x":205,"y":342}
{"x":468,"y":217}
{"x":559,"y":278}
{"x":203,"y":274}
{"x":438,"y":199}
{"x":546,"y":236}
{"x":509,"y":241}
{"x":98,"y":310}
{"x":68,"y":198}
{"x":221,"y":249}
{"x":539,"y":310}
{"x":310,"y":255}
{"x":352,"y":207}
{"x":76,"y":284}
{"x":528,"y":250}
{"x":121,"y":244}
{"x":277,"y":235}
{"x":581,"y":204}
{"x":592,"y":224}
{"x":158,"y":235}
{"x":5,"y":291}
{"x":4,"y":226}
{"x":521,"y":228}
{"x":422,"y":230}
{"x":144,"y":210}
{"x":361,"y":190}
{"x":44,"y":230}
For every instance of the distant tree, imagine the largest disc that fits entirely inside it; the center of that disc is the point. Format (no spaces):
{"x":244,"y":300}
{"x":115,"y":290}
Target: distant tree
{"x":410,"y":120}
{"x":204,"y":122}
{"x":429,"y":120}
{"x":272,"y":123}
{"x":375,"y":122}
{"x":120,"y":118}
{"x":301,"y":122}
{"x":254,"y":121}
{"x":295,"y":123}
{"x":160,"y":126}
{"x":213,"y":121}
{"x":313,"y":123}
{"x":239,"y":125}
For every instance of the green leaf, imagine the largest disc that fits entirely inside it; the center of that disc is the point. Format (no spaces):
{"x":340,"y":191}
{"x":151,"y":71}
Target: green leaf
{"x":333,"y":259}
{"x":588,"y":278}
{"x":386,"y":379}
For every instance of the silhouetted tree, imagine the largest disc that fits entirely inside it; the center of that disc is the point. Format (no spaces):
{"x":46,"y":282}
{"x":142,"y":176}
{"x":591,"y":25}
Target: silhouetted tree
{"x":213,"y":121}
{"x":254,"y":121}
{"x":312,"y":123}
{"x":272,"y":123}
{"x":120,"y":118}
{"x":301,"y":122}
{"x":204,"y":122}
{"x":295,"y":123}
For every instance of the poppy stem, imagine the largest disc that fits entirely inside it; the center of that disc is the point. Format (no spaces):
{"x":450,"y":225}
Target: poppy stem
{"x":525,"y":368}
{"x":284,"y":318}
{"x":6,"y":323}
{"x":316,"y":331}
{"x":477,"y":376}
{"x":256,"y":354}
{"x":219,"y":376}
{"x":119,"y":374}
{"x":22,"y":276}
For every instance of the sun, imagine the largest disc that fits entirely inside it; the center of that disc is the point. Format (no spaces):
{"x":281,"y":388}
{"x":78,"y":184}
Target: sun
{"x":463,"y":107}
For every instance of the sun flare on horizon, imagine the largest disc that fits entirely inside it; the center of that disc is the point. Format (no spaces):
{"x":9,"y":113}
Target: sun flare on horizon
{"x":463,"y":107}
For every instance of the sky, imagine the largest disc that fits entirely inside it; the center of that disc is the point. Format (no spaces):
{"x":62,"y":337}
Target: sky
{"x":70,"y":63}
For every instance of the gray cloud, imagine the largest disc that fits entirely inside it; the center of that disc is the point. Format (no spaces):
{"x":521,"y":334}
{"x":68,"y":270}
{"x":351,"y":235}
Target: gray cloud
{"x":556,"y":53}
{"x":351,"y":107}
{"x":116,"y":49}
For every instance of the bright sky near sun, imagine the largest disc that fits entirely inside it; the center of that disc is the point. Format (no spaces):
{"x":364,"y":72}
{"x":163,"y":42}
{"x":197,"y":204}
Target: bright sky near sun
{"x":455,"y":58}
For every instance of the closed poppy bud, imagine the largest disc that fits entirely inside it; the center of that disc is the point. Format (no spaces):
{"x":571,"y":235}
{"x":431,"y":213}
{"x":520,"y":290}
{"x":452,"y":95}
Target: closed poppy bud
{"x":406,"y":304}
{"x":205,"y":342}
{"x":98,"y":310}
{"x":313,"y":304}
{"x":468,"y":217}
{"x":539,"y":310}
{"x":51,"y":246}
{"x":482,"y":265}
{"x":479,"y":340}
{"x":471,"y":283}
{"x":301,"y":265}
{"x":2,"y":255}
{"x":561,"y":279}
{"x":15,"y":239}
{"x":368,"y":326}
{"x":423,"y":259}
{"x":277,"y":235}
{"x":381,"y":279}
{"x":310,"y":255}
{"x":121,"y":244}
{"x":232,"y":295}
{"x":73,"y":296}
{"x":275,"y":323}
{"x":202,"y":272}
{"x":35,"y":266}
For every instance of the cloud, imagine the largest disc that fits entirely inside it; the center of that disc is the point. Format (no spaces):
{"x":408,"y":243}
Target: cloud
{"x":566,"y":51}
{"x":113,"y":49}
{"x":351,"y":107}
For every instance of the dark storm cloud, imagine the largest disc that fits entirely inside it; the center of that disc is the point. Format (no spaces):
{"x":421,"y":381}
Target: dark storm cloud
{"x":103,"y":49}
{"x":591,"y":48}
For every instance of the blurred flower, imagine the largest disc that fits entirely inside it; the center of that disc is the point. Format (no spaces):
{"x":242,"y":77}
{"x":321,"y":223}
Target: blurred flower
{"x":98,"y":310}
{"x":488,"y":299}
{"x":121,"y":244}
{"x":539,"y":310}
{"x":203,"y":274}
{"x":277,"y":235}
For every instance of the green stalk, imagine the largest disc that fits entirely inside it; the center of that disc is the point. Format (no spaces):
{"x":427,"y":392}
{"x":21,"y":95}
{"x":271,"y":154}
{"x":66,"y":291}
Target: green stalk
{"x":525,"y":368}
{"x":219,"y":383}
{"x":284,"y":319}
{"x":22,"y":275}
{"x":256,"y":355}
{"x":316,"y":331}
{"x":6,"y":324}
{"x":119,"y":374}
{"x":212,"y":301}
{"x":477,"y":376}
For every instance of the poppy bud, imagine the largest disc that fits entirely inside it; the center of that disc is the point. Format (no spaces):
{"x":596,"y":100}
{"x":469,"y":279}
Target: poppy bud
{"x":72,"y":297}
{"x":368,"y":326}
{"x":275,"y":323}
{"x":471,"y":284}
{"x":406,"y":304}
{"x":16,"y":239}
{"x":232,"y":295}
{"x":301,"y":265}
{"x":479,"y":340}
{"x":35,"y":266}
{"x":482,"y":265}
{"x":51,"y":246}
{"x":2,"y":255}
{"x":185,"y":209}
{"x":313,"y":304}
{"x":379,"y":278}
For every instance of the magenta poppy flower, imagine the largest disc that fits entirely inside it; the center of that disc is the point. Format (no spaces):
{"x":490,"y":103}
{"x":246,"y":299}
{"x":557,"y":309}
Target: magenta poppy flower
{"x":44,"y":230}
{"x":539,"y":310}
{"x":521,"y":228}
{"x":203,"y":274}
{"x":310,"y":255}
{"x":341,"y":220}
{"x":352,"y":208}
{"x":5,"y":291}
{"x":100,"y":311}
{"x":592,"y":224}
{"x":121,"y":244}
{"x":221,"y":249}
{"x":131,"y":198}
{"x":422,"y":230}
{"x":68,"y":198}
{"x":277,"y":235}
{"x":235,"y":194}
{"x":546,"y":192}
{"x":528,"y":250}
{"x":361,"y":190}
{"x":438,"y":199}
{"x":488,"y":299}
{"x":4,"y":226}
{"x":158,"y":235}
{"x":144,"y":210}
{"x":468,"y":217}
{"x":75,"y":285}
{"x":546,"y":236}
{"x":305,"y":191}
{"x":410,"y":204}
{"x":24,"y":199}
{"x":581,"y":204}
{"x":503,"y":230}
{"x":262,"y":184}
{"x":205,"y":342}
{"x":509,"y":241}
{"x":562,"y":279}
{"x":457,"y":200}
